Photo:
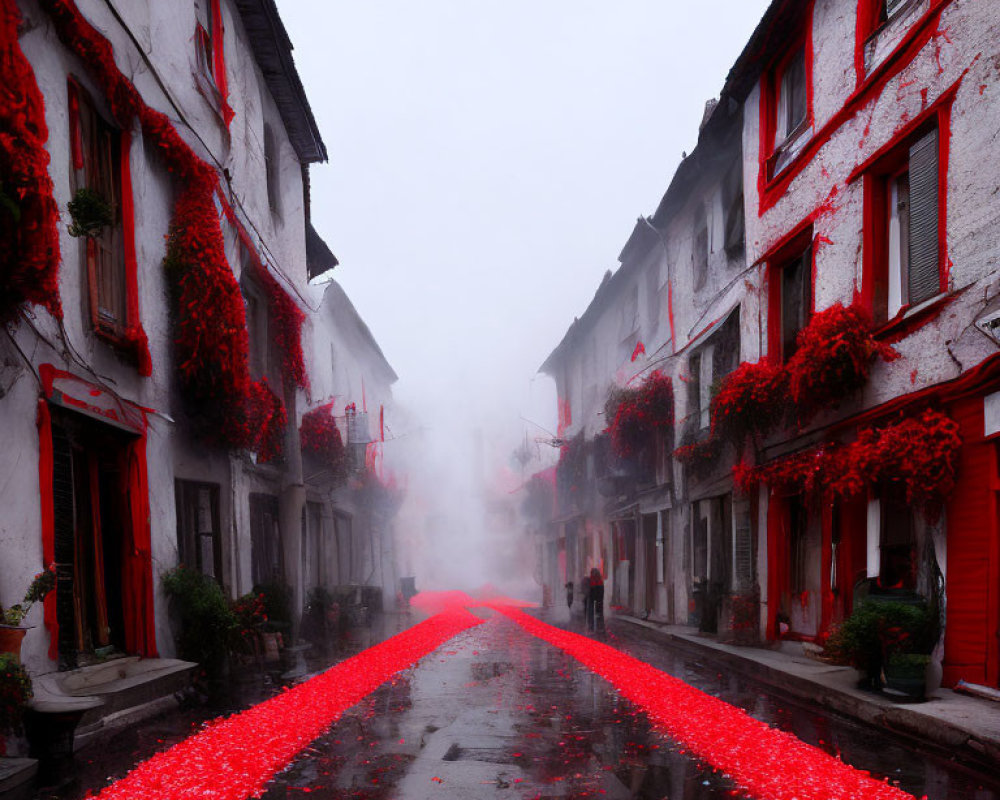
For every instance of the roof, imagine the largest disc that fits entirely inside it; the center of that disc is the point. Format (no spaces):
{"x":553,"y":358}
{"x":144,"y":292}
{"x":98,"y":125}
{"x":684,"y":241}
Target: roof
{"x":273,"y":51}
{"x":319,"y":257}
{"x":344,"y":313}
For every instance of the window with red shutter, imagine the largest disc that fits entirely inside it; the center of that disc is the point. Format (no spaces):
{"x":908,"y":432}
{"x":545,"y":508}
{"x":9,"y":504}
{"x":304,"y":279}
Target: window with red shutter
{"x":96,"y":164}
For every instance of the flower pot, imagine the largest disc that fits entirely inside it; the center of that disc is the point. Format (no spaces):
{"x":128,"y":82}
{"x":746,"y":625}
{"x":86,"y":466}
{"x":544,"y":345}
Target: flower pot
{"x":11,"y":637}
{"x":906,"y":675}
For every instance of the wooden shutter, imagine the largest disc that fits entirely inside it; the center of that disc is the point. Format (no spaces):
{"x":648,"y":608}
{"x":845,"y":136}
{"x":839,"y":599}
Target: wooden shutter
{"x":924,"y":274}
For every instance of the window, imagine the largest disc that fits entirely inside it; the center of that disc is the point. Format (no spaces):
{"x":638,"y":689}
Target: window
{"x":96,"y":161}
{"x":699,"y":255}
{"x":266,"y":561}
{"x":734,"y":213}
{"x":786,"y":94}
{"x":271,"y":164}
{"x":259,"y":335}
{"x":204,"y":37}
{"x":314,"y":550}
{"x":881,"y":26}
{"x":711,"y":362}
{"x":903,"y":198}
{"x":792,"y":97}
{"x":743,"y":578}
{"x":790,"y":295}
{"x":210,"y":57}
{"x":199,"y":540}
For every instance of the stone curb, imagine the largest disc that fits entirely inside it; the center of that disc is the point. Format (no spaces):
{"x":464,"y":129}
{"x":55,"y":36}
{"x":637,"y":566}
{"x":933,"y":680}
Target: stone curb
{"x":958,"y":741}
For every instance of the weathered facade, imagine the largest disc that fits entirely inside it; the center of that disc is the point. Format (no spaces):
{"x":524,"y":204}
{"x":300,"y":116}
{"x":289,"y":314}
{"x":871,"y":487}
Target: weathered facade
{"x":151,"y":401}
{"x":855,"y":135}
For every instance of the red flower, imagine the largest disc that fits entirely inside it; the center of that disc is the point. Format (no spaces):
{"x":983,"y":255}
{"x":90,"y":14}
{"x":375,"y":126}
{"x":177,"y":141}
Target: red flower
{"x":833,"y":360}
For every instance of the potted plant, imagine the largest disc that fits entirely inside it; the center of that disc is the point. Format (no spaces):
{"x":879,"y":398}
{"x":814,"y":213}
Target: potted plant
{"x":11,"y":630}
{"x":15,"y":691}
{"x":891,"y":638}
{"x":205,"y":625}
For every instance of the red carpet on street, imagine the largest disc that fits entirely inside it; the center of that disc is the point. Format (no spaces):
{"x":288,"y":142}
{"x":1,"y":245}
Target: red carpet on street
{"x":765,"y":762}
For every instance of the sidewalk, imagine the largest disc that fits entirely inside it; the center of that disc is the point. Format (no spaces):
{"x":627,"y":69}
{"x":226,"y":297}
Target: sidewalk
{"x":967,"y":727}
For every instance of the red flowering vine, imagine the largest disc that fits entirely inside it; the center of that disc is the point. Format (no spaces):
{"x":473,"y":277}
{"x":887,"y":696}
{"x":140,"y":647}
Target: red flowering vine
{"x":701,"y":456}
{"x":321,"y":438}
{"x":637,"y":414}
{"x":29,"y":238}
{"x":921,"y":452}
{"x":834,"y":358}
{"x":210,"y":330}
{"x":751,"y":401}
{"x":266,"y":420}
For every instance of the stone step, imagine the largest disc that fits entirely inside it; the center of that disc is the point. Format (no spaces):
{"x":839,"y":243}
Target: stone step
{"x":114,"y":694}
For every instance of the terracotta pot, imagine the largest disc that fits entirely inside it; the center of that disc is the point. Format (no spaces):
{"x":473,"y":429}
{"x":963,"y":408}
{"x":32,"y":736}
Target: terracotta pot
{"x":10,"y":640}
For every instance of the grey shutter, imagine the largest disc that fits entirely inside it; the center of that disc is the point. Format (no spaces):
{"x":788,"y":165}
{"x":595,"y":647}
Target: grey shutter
{"x":924,"y":274}
{"x":892,"y":6}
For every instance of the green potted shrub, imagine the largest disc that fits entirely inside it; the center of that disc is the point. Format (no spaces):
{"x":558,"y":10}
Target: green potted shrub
{"x":889,"y":637}
{"x":15,"y":692}
{"x":205,"y":622}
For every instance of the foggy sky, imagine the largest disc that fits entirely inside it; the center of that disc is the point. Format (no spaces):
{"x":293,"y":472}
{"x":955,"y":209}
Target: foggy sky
{"x":488,"y":159}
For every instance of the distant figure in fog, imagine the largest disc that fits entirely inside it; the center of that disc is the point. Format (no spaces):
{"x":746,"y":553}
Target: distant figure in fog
{"x":588,"y":611}
{"x":569,"y":595}
{"x":595,"y":614}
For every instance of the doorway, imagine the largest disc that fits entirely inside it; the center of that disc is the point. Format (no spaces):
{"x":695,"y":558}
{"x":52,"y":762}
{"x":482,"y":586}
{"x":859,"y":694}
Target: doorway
{"x":92,"y":537}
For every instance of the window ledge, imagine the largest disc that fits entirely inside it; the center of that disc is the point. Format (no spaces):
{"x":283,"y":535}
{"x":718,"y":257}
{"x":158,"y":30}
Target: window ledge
{"x":911,"y":318}
{"x":788,"y":151}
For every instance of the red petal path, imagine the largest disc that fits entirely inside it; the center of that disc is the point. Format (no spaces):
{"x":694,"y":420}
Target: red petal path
{"x":234,"y":757}
{"x":765,"y":762}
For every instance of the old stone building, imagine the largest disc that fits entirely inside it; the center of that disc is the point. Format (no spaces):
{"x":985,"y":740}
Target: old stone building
{"x":159,"y":359}
{"x":819,"y":284}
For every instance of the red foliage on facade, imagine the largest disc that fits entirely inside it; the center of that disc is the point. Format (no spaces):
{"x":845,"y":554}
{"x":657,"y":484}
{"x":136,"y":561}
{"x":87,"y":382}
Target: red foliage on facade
{"x":29,"y":238}
{"x":920,"y":452}
{"x":210,"y":335}
{"x":286,"y":319}
{"x":701,"y":456}
{"x":266,"y":421}
{"x":833,"y":360}
{"x":751,"y":402}
{"x":641,"y":413}
{"x":321,"y":438}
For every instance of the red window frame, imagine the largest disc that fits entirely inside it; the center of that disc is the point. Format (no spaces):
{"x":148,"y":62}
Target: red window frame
{"x":770,"y":93}
{"x":123,"y":330}
{"x":211,"y":55}
{"x":789,"y":250}
{"x":889,"y":160}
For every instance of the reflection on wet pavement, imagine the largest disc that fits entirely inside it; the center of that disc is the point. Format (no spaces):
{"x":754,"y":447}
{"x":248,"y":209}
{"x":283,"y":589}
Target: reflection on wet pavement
{"x":496,"y":713}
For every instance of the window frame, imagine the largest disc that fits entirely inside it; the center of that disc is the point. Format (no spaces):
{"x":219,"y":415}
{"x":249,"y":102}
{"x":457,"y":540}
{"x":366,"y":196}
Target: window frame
{"x":889,"y":160}
{"x":189,"y":549}
{"x":210,"y":59}
{"x":109,"y":259}
{"x":776,"y":155}
{"x":799,"y":249}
